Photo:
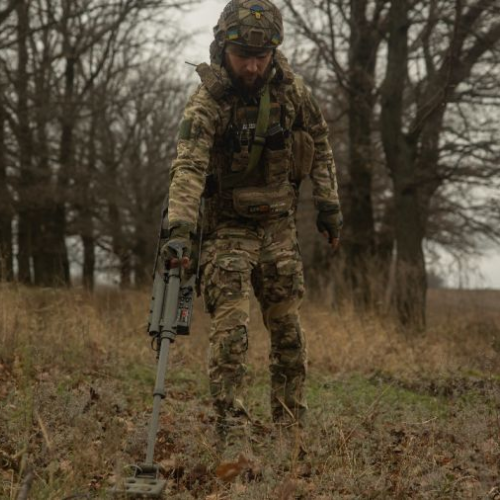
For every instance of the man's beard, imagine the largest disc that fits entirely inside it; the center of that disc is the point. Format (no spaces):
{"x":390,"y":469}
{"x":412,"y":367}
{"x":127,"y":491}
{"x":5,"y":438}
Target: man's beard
{"x":244,"y":88}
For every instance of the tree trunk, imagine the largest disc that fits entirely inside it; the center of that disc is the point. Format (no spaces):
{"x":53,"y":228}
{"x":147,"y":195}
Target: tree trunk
{"x":43,"y":209}
{"x":125,"y":270}
{"x":384,"y":252}
{"x":142,"y":261}
{"x":362,"y":260}
{"x":361,"y":241}
{"x":120,"y":245}
{"x":86,"y":205}
{"x":88,"y":258}
{"x":6,"y":208}
{"x":411,"y":280}
{"x":25,"y":142}
{"x":411,"y":284}
{"x":58,"y":231}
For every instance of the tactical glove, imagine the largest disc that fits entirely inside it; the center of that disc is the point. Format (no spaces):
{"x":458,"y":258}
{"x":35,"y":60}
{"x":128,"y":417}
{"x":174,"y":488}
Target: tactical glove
{"x":330,"y":220}
{"x":179,"y":236}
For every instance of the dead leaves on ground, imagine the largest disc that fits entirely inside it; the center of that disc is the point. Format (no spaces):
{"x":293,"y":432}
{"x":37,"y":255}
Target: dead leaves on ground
{"x":228,"y":471}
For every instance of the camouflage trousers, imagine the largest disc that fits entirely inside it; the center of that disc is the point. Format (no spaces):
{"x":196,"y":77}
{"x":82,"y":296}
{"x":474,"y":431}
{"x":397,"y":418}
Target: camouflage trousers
{"x":265,"y":256}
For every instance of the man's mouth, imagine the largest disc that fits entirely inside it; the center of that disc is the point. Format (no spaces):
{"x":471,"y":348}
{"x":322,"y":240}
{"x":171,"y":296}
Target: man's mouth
{"x":250,"y":78}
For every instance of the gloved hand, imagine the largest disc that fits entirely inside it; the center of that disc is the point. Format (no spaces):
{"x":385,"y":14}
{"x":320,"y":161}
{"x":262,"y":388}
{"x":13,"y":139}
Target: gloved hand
{"x":180,"y":236}
{"x":329,"y":223}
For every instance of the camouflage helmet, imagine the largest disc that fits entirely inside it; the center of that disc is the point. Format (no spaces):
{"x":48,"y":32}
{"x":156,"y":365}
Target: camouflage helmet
{"x":252,"y":24}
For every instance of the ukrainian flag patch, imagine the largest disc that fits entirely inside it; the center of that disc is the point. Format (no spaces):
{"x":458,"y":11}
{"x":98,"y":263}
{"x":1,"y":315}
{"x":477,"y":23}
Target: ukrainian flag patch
{"x":257,"y":11}
{"x":233,"y":34}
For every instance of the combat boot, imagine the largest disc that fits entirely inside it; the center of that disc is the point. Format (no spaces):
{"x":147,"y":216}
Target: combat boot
{"x":233,"y":433}
{"x":289,"y":432}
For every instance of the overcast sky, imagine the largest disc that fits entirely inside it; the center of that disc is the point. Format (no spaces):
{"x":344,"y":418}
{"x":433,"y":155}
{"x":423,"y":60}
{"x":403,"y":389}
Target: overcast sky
{"x":483,"y":273}
{"x":200,"y":21}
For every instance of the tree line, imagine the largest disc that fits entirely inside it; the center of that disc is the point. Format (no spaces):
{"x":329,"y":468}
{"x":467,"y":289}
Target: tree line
{"x":91,"y":94}
{"x":89,"y":105}
{"x":412,"y":100}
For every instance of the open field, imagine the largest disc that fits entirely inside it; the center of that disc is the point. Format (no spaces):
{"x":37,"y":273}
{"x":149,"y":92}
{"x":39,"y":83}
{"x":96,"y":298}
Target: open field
{"x":391,"y":416}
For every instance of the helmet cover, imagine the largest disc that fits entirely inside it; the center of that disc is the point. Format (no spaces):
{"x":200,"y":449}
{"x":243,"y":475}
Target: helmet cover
{"x":255,"y":25}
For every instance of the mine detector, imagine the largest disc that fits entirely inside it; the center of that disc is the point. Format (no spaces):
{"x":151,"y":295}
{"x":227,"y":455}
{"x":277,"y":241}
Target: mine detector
{"x":170,"y":315}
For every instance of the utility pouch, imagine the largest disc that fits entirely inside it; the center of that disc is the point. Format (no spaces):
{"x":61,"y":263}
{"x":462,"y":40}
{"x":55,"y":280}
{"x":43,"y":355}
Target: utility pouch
{"x":266,"y":202}
{"x":303,"y":155}
{"x":275,"y":138}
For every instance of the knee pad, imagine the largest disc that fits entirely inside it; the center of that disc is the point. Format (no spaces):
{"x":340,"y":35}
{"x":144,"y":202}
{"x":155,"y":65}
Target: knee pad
{"x":286,"y":333}
{"x":229,"y":345}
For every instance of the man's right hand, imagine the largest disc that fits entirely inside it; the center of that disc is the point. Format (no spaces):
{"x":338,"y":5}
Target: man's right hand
{"x":180,"y":237}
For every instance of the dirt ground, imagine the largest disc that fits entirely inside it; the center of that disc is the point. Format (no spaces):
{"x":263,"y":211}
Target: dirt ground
{"x":392,"y":415}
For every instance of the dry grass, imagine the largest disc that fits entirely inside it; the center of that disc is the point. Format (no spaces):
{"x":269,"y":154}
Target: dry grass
{"x":392,"y":416}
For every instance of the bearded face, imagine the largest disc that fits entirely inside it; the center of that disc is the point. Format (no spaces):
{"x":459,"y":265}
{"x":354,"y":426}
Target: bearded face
{"x":249,"y":71}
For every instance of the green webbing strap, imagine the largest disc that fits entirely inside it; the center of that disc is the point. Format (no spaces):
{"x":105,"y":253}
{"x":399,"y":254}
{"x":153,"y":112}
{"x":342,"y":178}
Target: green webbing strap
{"x":259,"y":141}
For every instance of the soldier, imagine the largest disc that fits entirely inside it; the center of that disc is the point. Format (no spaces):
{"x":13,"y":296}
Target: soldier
{"x":250,"y":133}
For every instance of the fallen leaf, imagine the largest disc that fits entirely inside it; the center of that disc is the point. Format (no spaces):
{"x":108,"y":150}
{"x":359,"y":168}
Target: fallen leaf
{"x":227,"y":471}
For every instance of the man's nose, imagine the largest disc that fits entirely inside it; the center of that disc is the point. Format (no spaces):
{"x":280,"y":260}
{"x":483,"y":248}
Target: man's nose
{"x":251,"y":65}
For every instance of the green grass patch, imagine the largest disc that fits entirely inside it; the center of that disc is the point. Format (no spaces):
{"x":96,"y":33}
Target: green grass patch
{"x":359,"y":392}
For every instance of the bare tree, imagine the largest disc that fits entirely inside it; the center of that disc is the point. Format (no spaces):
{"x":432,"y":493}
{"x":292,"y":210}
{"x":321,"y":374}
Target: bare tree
{"x":6,"y":203}
{"x":64,"y":64}
{"x":347,"y":36}
{"x":140,"y":139}
{"x":420,"y":79}
{"x":412,"y":135}
{"x":25,"y":145}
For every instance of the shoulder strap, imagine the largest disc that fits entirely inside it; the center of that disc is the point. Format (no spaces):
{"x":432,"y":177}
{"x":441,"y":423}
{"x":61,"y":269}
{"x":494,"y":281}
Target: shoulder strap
{"x":259,"y":141}
{"x":210,"y":79}
{"x":285,"y":72}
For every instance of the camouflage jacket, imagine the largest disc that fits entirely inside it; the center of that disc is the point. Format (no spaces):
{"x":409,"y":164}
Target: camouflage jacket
{"x":203,"y":135}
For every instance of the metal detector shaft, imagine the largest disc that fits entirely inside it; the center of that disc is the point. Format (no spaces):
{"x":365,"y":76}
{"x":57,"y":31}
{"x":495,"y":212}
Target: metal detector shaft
{"x":170,"y":315}
{"x":167,"y":335}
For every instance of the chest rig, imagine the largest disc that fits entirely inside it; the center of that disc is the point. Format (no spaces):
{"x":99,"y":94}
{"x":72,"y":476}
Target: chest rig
{"x":255,"y":137}
{"x":255,"y":178}
{"x":235,"y":188}
{"x":250,"y":163}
